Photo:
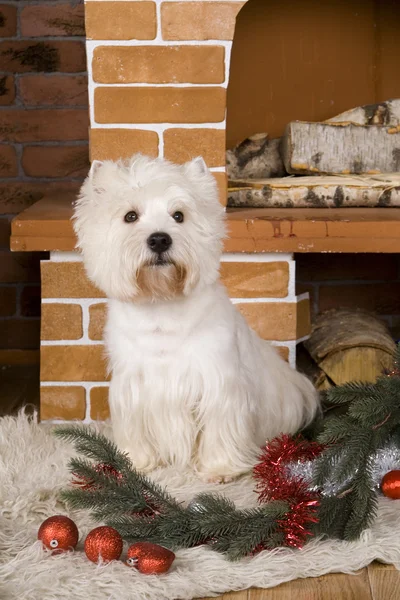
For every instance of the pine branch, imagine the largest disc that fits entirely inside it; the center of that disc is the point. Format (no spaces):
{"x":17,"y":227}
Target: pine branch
{"x":138,"y":488}
{"x":349,"y":392}
{"x":94,"y":445}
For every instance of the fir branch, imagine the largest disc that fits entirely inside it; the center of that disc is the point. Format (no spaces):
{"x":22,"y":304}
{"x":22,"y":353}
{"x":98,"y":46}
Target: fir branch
{"x":94,"y":445}
{"x":349,"y":392}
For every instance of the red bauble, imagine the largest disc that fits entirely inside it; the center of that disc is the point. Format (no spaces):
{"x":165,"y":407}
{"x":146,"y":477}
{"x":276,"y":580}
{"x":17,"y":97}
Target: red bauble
{"x":390,"y":485}
{"x":103,"y":543}
{"x":150,"y":559}
{"x":59,"y":534}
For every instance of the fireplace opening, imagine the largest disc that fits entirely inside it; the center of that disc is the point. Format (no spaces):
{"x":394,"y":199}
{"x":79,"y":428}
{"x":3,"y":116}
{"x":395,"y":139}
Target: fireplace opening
{"x":308,"y":61}
{"x":303,"y":60}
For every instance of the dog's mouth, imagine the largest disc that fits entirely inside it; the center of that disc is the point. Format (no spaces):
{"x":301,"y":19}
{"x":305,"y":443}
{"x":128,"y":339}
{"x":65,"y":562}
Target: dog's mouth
{"x":161,"y":261}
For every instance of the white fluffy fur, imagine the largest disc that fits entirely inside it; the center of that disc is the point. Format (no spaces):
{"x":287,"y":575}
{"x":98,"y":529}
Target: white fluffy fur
{"x":33,"y":470}
{"x":191,"y":382}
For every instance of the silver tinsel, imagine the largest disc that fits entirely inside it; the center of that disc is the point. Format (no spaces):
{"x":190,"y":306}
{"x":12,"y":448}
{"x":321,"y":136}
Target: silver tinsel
{"x":384,"y":461}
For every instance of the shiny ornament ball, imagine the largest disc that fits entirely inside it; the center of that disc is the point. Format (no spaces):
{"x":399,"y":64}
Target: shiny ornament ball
{"x":103,"y":543}
{"x":390,"y":485}
{"x":58,"y":533}
{"x":149,"y":559}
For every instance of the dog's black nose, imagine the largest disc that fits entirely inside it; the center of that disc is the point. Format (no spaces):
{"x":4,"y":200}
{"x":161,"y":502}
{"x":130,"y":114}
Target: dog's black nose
{"x":159,"y":242}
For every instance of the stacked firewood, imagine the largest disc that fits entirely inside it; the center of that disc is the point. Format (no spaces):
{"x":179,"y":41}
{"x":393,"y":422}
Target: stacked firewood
{"x":352,"y":159}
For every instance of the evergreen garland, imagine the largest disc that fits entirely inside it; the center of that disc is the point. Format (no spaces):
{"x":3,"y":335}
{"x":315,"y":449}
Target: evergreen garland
{"x":371,"y":423}
{"x":141,"y":510}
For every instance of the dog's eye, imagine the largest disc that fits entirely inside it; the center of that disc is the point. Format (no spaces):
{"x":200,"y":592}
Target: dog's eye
{"x":178,"y":216}
{"x":131,"y":216}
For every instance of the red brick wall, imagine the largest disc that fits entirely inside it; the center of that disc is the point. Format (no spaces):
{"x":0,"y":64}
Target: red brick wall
{"x":43,"y":141}
{"x":369,"y":281}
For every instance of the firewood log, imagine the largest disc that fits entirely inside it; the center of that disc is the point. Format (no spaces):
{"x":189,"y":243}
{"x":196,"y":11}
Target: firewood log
{"x":340,"y":148}
{"x":256,"y":156}
{"x":350,"y":345}
{"x":316,"y":191}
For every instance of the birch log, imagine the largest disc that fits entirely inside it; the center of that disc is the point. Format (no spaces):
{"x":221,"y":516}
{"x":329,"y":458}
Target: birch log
{"x":316,"y":191}
{"x":384,"y":113}
{"x":340,"y":148}
{"x":256,"y":156}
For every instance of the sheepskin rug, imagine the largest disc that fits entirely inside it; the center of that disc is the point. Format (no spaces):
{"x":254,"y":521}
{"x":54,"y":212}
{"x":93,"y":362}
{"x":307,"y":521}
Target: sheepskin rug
{"x":33,"y":469}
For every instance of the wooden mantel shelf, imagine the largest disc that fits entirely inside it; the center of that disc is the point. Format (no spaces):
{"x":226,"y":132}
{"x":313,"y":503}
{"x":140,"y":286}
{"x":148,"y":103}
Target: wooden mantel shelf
{"x":46,"y":225}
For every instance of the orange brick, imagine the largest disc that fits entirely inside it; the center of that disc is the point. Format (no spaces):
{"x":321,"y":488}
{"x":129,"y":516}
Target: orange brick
{"x":67,"y":280}
{"x":62,"y":402}
{"x":256,"y":280}
{"x":97,"y":314}
{"x":303,"y":325}
{"x":284,"y":352}
{"x":278,"y":321}
{"x":99,"y":408}
{"x":159,"y":105}
{"x":72,"y":363}
{"x":120,"y":20}
{"x":113,"y":144}
{"x":61,"y":322}
{"x":159,"y":64}
{"x":199,"y":20}
{"x":181,"y":145}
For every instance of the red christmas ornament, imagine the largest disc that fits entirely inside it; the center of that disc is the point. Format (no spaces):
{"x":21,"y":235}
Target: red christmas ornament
{"x":103,"y":543}
{"x":390,"y":485}
{"x":149,"y":559}
{"x":273,"y":484}
{"x":59,"y":534}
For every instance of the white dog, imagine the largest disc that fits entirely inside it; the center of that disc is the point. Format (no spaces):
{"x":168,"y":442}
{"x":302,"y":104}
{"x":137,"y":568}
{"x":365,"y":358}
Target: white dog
{"x":191,"y":382}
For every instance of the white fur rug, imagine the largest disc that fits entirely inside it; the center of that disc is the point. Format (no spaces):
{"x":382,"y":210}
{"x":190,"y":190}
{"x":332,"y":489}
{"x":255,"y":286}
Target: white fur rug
{"x":33,"y":469}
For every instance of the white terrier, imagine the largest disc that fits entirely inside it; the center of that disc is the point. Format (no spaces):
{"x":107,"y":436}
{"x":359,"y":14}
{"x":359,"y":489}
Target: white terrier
{"x":191,"y":382}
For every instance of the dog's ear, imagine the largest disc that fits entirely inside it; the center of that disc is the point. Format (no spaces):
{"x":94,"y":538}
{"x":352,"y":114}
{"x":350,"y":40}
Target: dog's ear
{"x":94,"y":167}
{"x":195,"y":168}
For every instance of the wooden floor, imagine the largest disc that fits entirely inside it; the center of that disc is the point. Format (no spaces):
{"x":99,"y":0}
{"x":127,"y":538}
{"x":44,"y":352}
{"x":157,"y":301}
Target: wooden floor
{"x":20,"y":386}
{"x":377,"y":582}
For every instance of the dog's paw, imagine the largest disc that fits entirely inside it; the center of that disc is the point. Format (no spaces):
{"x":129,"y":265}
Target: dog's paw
{"x":145,"y":464}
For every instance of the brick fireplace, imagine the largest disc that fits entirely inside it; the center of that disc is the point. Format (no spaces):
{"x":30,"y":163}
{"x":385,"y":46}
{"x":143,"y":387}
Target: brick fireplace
{"x":158,"y":77}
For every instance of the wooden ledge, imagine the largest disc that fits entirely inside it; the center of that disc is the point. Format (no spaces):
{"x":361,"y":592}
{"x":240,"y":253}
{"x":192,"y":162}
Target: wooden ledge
{"x":46,"y":226}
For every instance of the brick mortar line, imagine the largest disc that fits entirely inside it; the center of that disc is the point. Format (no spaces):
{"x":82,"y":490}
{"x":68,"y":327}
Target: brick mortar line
{"x":92,"y":44}
{"x":187,"y":85}
{"x":90,"y":384}
{"x":156,"y":127}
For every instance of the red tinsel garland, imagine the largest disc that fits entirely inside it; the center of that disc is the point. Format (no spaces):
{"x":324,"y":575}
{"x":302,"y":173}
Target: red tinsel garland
{"x":273,"y":484}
